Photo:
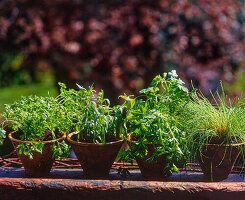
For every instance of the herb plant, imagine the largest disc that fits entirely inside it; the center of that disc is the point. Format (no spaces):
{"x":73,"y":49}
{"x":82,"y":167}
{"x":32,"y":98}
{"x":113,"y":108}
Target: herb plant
{"x":90,"y":115}
{"x":36,"y":119}
{"x":219,"y":121}
{"x":153,"y":117}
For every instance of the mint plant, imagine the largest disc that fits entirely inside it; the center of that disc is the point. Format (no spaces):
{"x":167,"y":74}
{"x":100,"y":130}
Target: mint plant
{"x":90,"y":115}
{"x":153,"y":117}
{"x":36,"y":119}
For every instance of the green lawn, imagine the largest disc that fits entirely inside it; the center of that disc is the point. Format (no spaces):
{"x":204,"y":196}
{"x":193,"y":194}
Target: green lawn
{"x":239,"y":85}
{"x":10,"y":94}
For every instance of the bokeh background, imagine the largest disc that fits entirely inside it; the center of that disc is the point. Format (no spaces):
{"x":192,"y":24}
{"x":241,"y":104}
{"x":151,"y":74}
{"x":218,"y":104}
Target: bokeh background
{"x":119,"y":45}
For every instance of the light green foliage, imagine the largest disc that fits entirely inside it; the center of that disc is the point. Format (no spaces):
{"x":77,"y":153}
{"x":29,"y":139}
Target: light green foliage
{"x":28,"y":148}
{"x":221,"y":121}
{"x":34,"y":117}
{"x":153,"y":117}
{"x":90,"y":115}
{"x":2,"y":136}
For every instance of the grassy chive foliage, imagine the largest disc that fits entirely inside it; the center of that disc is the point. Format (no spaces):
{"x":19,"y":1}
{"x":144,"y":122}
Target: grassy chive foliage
{"x":36,"y":118}
{"x":91,"y":116}
{"x":153,"y":117}
{"x":219,"y":121}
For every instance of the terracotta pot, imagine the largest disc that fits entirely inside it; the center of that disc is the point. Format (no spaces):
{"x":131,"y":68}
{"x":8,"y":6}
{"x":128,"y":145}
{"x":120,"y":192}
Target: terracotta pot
{"x":41,"y":164}
{"x":217,"y":161}
{"x":95,"y":159}
{"x":151,"y":170}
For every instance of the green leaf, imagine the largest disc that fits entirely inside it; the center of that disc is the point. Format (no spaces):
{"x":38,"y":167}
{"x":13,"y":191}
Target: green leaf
{"x":158,"y":79}
{"x":173,"y":74}
{"x":149,"y":89}
{"x":2,"y":136}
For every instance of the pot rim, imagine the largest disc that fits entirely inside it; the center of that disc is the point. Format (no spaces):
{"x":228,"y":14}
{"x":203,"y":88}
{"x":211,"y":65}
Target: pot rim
{"x":150,"y":143}
{"x":89,"y":144}
{"x":227,"y":145}
{"x":45,"y":142}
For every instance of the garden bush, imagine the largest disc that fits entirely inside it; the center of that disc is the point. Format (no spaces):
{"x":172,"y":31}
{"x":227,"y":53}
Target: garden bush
{"x":122,"y":44}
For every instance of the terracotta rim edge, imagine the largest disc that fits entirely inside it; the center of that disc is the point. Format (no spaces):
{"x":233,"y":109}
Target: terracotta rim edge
{"x":150,"y":143}
{"x":45,"y":142}
{"x":226,"y":145}
{"x":83,"y":143}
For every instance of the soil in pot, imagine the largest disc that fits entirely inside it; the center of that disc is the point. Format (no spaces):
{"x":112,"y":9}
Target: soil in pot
{"x":151,"y":170}
{"x":217,"y":161}
{"x":95,"y":159}
{"x":41,"y":164}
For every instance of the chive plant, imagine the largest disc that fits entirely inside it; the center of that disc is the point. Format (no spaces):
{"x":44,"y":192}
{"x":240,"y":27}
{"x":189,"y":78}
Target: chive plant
{"x":90,"y":115}
{"x":219,"y":121}
{"x":36,"y":119}
{"x":153,"y":117}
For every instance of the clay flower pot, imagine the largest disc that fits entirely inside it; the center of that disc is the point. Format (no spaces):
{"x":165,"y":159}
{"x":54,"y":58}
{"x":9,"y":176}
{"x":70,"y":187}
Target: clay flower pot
{"x":151,"y":170}
{"x":95,"y":159}
{"x":41,"y":164}
{"x":217,"y":161}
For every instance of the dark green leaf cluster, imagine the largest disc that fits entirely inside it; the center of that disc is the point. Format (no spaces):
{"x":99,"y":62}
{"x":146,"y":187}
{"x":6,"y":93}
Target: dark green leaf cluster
{"x":35,"y":118}
{"x":153,"y":117}
{"x":91,"y":116}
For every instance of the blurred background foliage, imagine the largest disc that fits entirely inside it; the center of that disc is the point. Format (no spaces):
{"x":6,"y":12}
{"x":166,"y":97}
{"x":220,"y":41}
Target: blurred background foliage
{"x":119,"y":45}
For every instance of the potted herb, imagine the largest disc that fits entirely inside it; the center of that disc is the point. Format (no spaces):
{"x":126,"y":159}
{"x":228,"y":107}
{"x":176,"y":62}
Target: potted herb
{"x":97,"y":129}
{"x":38,"y":132}
{"x":156,"y":137}
{"x":216,"y":130}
